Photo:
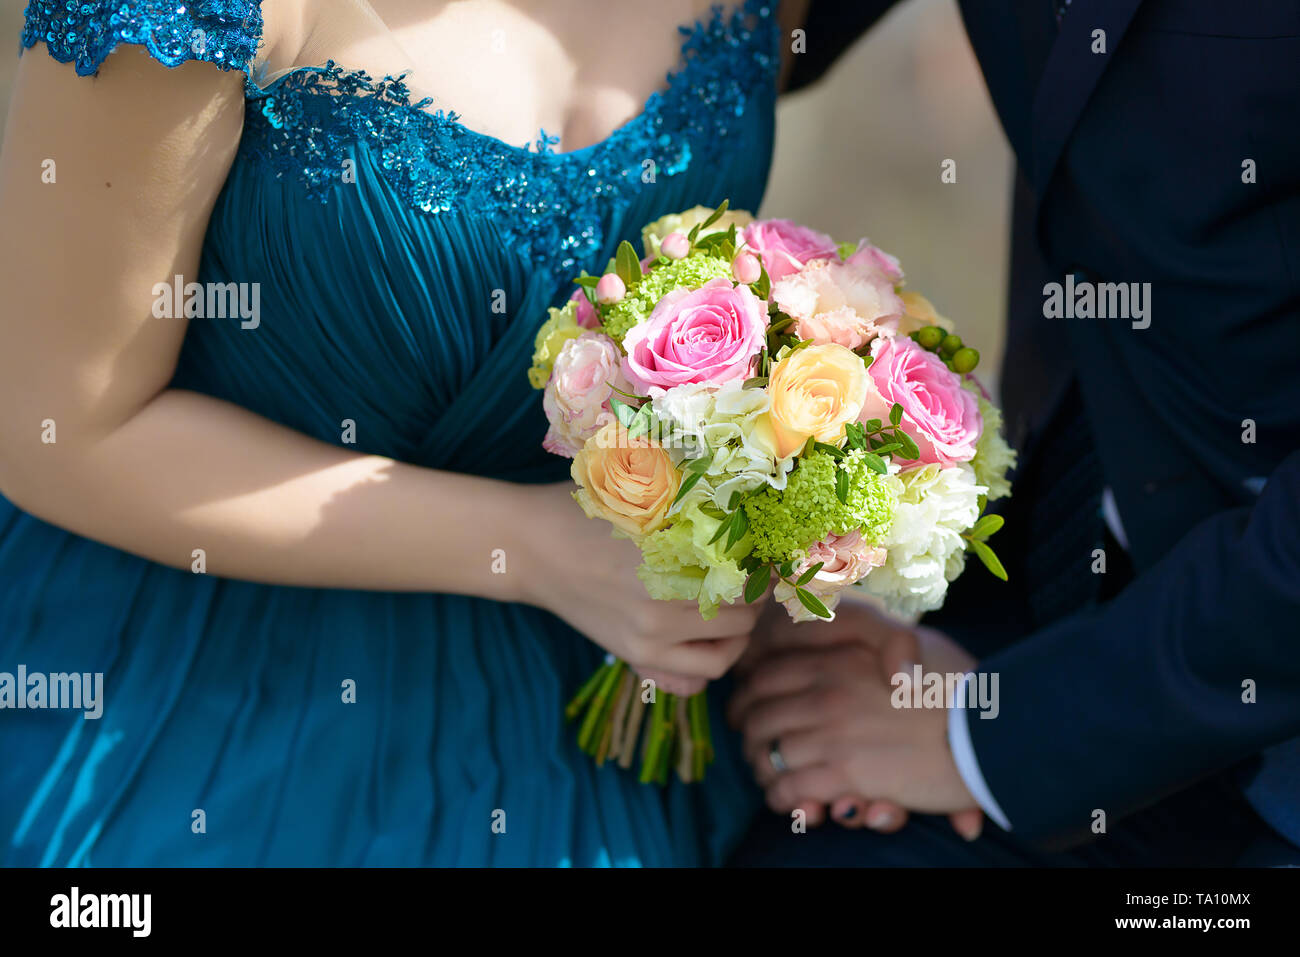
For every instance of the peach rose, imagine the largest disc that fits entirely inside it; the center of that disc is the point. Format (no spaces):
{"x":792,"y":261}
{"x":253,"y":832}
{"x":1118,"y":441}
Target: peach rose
{"x":815,"y":390}
{"x":918,"y":312}
{"x":845,"y":559}
{"x":628,"y":482}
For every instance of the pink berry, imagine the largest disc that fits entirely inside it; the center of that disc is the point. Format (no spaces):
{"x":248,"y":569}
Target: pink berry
{"x":610,"y":289}
{"x":675,"y":246}
{"x":745,"y":268}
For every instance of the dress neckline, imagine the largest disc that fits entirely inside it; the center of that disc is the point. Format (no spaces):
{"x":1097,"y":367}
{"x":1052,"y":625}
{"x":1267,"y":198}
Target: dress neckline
{"x":394,"y":86}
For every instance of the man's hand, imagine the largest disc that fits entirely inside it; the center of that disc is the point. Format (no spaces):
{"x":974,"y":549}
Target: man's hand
{"x":821,"y":693}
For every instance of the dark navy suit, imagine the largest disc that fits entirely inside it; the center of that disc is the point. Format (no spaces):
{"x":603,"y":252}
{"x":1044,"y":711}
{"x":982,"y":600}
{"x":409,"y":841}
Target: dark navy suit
{"x":1117,"y":694}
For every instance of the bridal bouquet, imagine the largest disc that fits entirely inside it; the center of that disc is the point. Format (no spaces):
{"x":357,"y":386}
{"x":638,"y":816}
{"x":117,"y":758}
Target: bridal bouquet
{"x":756,"y":405}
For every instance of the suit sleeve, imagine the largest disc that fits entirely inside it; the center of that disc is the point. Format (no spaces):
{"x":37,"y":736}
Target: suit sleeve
{"x":830,"y":28}
{"x":1116,"y":708}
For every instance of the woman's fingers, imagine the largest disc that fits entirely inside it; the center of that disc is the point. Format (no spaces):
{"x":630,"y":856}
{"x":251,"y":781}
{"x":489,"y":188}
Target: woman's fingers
{"x":850,"y":811}
{"x":885,"y":817}
{"x":673,"y":683}
{"x":710,"y":659}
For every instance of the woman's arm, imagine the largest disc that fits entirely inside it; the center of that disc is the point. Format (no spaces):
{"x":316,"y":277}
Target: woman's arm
{"x":141,"y":154}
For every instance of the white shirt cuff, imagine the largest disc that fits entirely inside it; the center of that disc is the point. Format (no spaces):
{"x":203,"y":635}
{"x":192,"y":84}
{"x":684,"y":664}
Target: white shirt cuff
{"x":963,"y":753}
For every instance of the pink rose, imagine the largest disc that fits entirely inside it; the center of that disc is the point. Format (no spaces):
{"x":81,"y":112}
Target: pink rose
{"x":869,"y":255}
{"x":786,"y":247}
{"x":577,"y":395}
{"x":585,"y":313}
{"x":708,"y":335}
{"x":938,"y":413}
{"x":845,"y":559}
{"x":840,"y":303}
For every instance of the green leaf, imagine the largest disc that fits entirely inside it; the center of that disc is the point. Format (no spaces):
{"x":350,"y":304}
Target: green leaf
{"x":875,"y":463}
{"x":807,"y":576}
{"x":833,"y":451}
{"x":587,"y":282}
{"x":884,"y":448}
{"x":846,"y":249}
{"x":739,"y":526}
{"x":809,"y":446}
{"x":874,"y":425}
{"x":867,"y":360}
{"x":624,"y":412}
{"x":786,"y":569}
{"x":630,"y":395}
{"x":909,"y":450}
{"x":812,"y":603}
{"x":716,"y":214}
{"x":842,"y":486}
{"x":989,"y":559}
{"x":701,"y":465}
{"x":763,"y":285}
{"x":757,"y":583}
{"x":640,"y":425}
{"x":986,"y":526}
{"x":713,"y":241}
{"x":723,"y":527}
{"x":855,"y":436}
{"x":628,"y":264}
{"x":691,"y":481}
{"x":781,"y":324}
{"x":896,"y":414}
{"x":695,"y":231}
{"x":711,"y":510}
{"x":757,"y":382}
{"x":734,"y":502}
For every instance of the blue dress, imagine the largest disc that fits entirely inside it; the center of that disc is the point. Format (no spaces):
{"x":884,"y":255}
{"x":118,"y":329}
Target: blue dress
{"x":377,"y":305}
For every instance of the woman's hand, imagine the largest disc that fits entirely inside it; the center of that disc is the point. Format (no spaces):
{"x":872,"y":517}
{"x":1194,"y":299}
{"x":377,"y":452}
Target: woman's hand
{"x":580,"y":572}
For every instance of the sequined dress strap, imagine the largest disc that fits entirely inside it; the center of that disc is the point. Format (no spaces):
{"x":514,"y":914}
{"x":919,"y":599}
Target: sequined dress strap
{"x":84,"y":32}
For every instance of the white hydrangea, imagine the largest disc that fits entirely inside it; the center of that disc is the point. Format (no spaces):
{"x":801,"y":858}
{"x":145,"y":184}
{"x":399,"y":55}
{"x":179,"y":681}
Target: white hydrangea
{"x":699,"y":419}
{"x":993,"y":457}
{"x":653,"y":234}
{"x":926,"y":550}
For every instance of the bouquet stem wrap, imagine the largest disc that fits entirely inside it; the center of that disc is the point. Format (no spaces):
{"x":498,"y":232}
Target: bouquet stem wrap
{"x":621,"y":718}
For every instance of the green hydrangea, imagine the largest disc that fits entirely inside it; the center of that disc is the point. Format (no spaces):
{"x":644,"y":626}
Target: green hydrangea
{"x":679,"y":563}
{"x":691,"y":273}
{"x":551,"y":337}
{"x":782,"y":524}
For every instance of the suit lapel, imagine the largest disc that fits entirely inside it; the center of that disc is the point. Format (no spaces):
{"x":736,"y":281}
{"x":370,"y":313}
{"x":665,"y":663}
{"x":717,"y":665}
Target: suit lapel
{"x":1070,"y":76}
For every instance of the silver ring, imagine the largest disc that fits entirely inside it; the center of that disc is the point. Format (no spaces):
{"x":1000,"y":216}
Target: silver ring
{"x":778,"y":762}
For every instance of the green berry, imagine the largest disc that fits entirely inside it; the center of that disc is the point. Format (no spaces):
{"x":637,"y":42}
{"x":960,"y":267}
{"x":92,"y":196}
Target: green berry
{"x":965,"y":360}
{"x":949,"y":345}
{"x":929,"y":337}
